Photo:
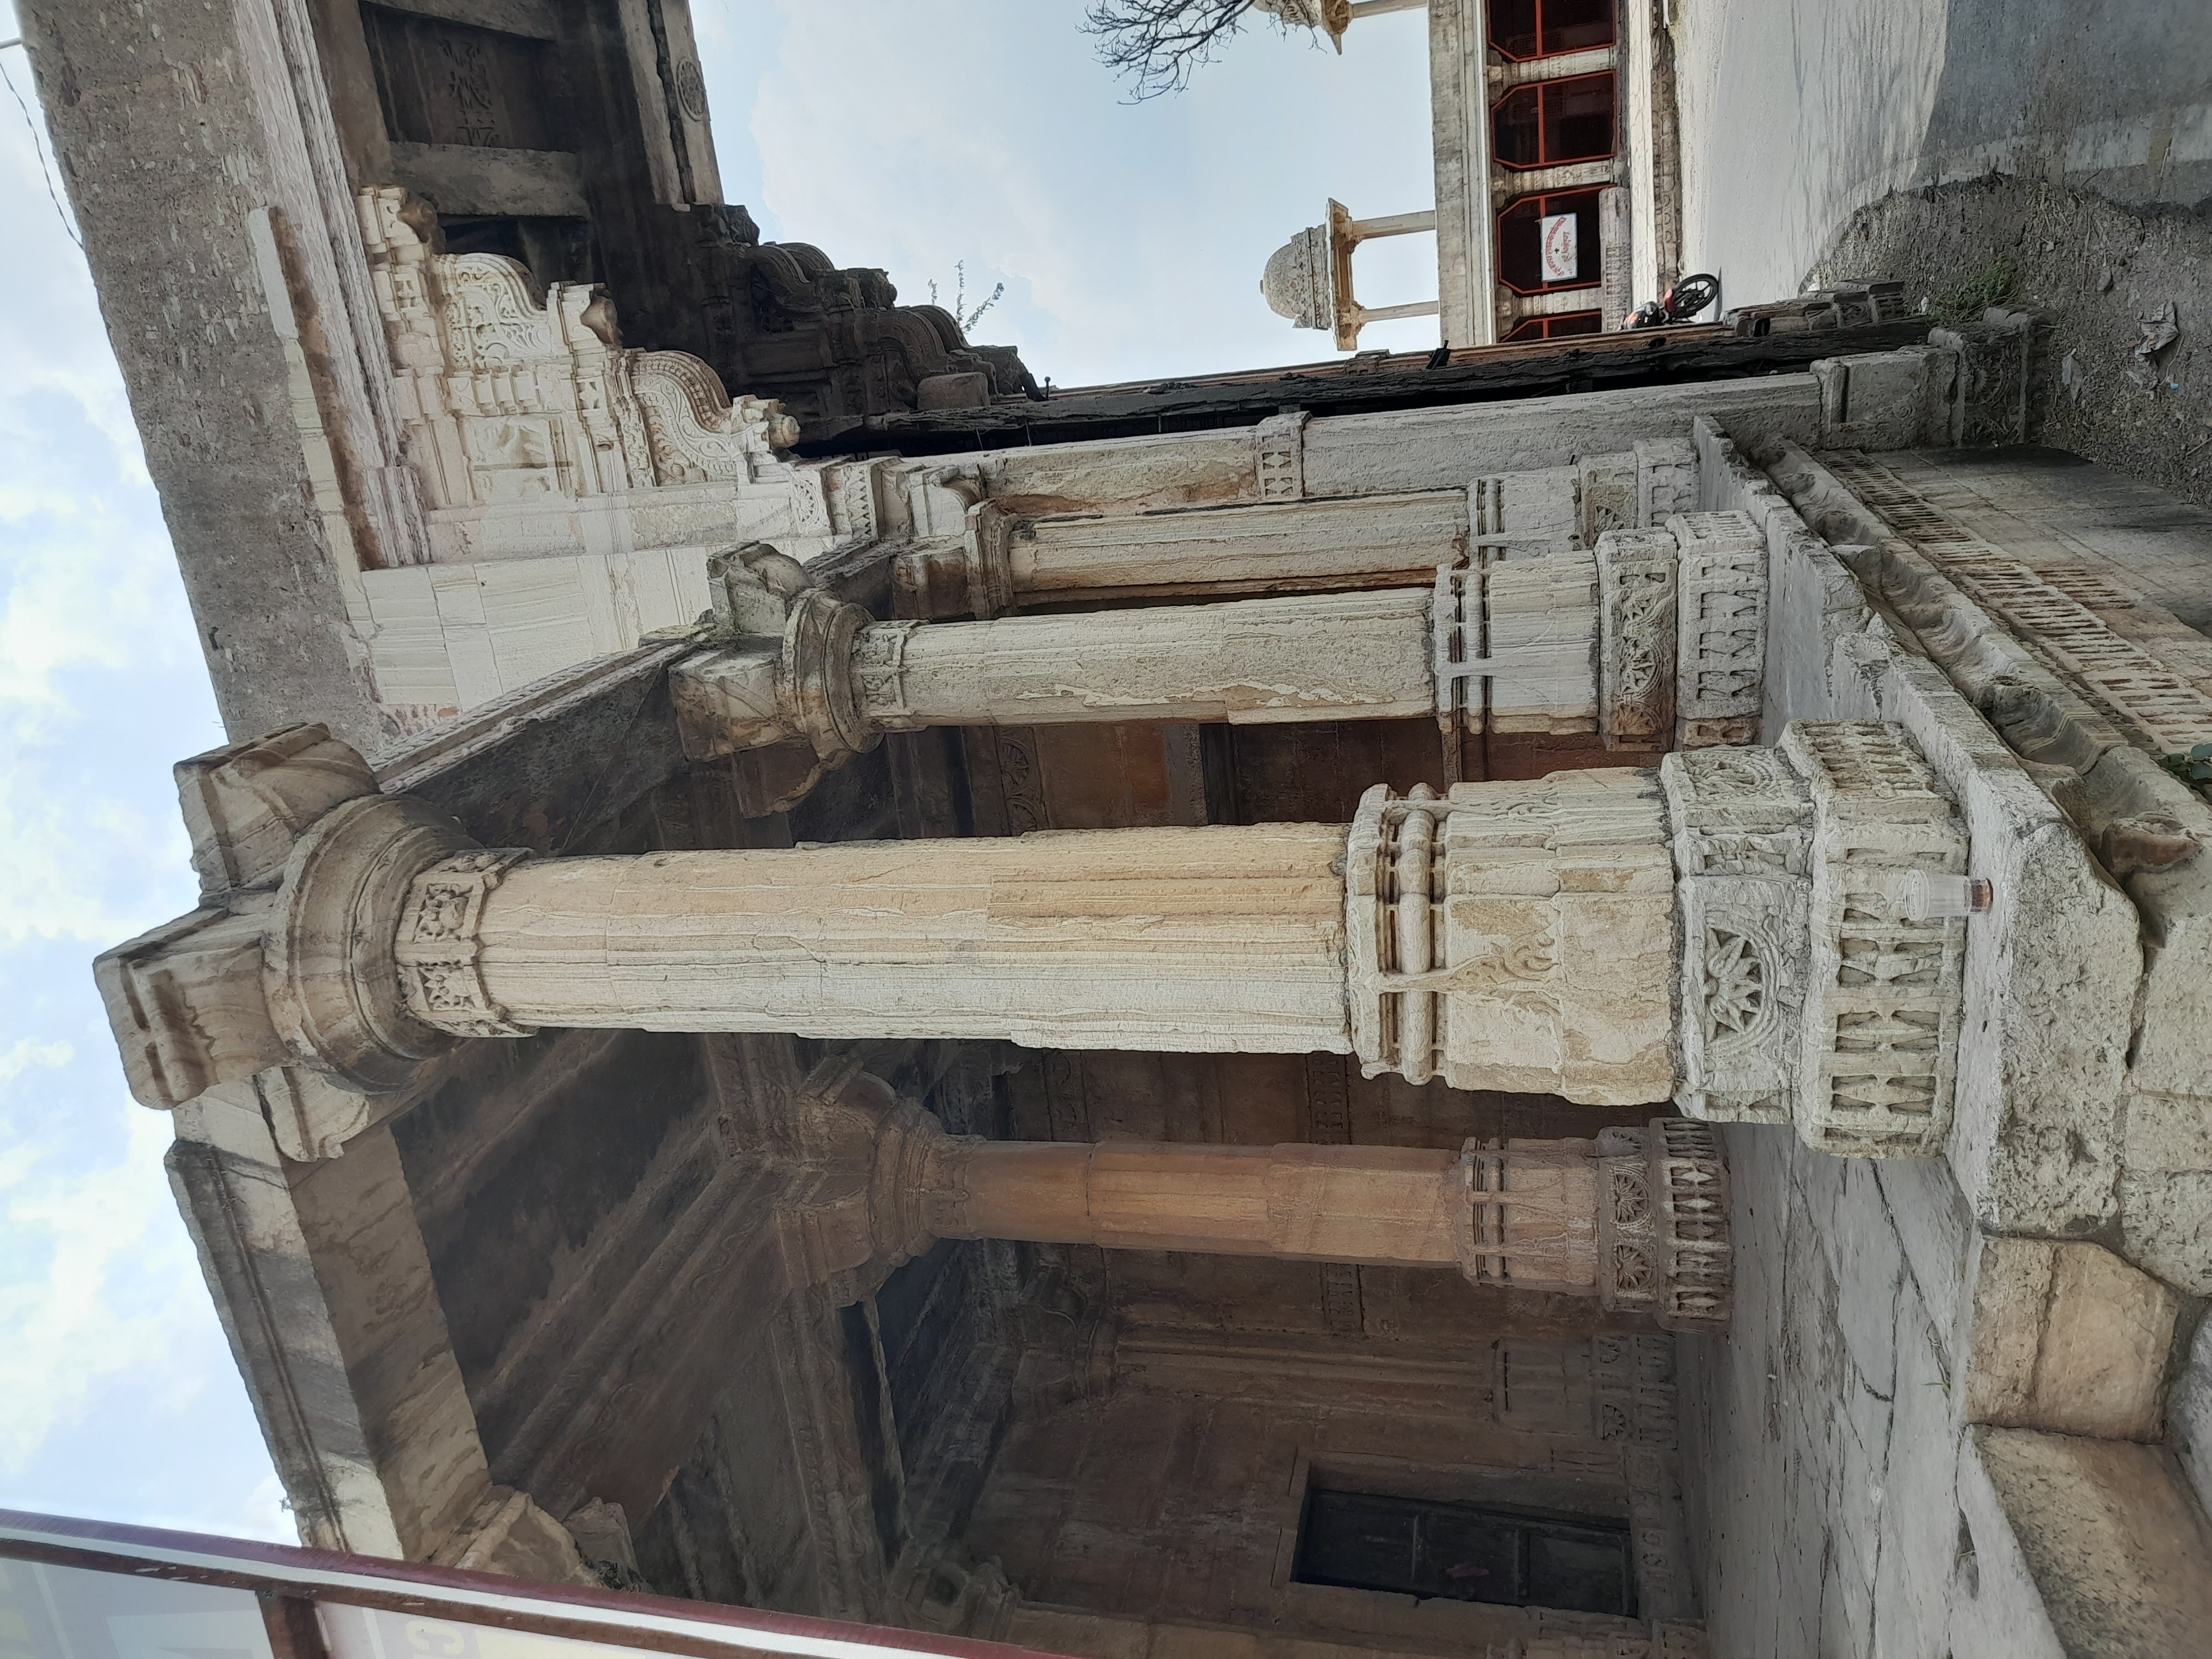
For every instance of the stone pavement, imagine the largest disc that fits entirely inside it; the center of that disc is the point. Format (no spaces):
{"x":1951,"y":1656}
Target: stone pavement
{"x":1795,"y":113}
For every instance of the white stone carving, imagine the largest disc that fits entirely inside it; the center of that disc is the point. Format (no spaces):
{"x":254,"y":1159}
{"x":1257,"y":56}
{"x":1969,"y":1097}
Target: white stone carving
{"x":1884,"y":993}
{"x":518,"y":402}
{"x":1515,"y":936}
{"x":1638,"y":638}
{"x":1638,"y":1216}
{"x":1741,"y":821}
{"x":1721,"y":619}
{"x":1278,"y":456}
{"x":1666,"y":479}
{"x":1605,"y":487}
{"x":437,"y":946}
{"x":1816,"y":988}
{"x":1514,"y":644}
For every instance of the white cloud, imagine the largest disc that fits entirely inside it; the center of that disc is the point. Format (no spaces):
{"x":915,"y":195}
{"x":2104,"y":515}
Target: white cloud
{"x":86,"y":1249}
{"x":1131,"y":238}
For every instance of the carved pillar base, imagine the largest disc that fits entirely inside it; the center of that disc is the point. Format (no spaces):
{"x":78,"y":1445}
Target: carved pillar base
{"x":1820,"y":985}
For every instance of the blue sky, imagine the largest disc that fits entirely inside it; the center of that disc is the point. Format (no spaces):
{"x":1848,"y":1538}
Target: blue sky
{"x":908,"y":134}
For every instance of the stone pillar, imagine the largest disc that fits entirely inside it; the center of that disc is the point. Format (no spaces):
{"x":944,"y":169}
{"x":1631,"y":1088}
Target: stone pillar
{"x":1315,"y":657}
{"x":1283,"y":541}
{"x":1501,"y":646}
{"x":1773,"y":934}
{"x":1638,"y":1217}
{"x":1221,"y":939}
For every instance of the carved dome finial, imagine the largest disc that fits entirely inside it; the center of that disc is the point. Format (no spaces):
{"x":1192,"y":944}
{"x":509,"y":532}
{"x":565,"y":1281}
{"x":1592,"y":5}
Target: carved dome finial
{"x":1300,"y":280}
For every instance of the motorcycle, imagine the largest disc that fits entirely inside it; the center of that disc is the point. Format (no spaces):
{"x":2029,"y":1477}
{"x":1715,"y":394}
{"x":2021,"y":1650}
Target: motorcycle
{"x":1680,"y":304}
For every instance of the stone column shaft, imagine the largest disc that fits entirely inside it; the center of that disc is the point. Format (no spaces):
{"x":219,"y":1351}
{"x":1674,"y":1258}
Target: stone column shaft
{"x":1389,"y":1205}
{"x":1637,"y":1217}
{"x":1323,"y":656}
{"x":1221,"y":939}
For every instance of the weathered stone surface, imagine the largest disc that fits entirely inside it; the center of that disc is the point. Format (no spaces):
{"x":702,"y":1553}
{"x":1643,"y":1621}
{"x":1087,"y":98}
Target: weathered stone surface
{"x":1638,"y":639}
{"x":1540,"y":947}
{"x":2119,"y":1551}
{"x":2067,"y":1339}
{"x":1720,"y":611}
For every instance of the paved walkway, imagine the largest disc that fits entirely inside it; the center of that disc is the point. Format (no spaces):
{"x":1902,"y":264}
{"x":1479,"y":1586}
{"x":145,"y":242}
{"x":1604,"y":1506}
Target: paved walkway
{"x":1795,"y":114}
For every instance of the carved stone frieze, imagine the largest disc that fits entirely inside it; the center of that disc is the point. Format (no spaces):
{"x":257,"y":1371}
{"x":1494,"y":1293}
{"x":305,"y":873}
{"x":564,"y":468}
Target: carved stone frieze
{"x":1721,"y":619}
{"x":1666,"y":479}
{"x":1742,"y":820}
{"x":518,"y":400}
{"x":1604,"y":486}
{"x":1884,"y":991}
{"x":1663,"y":1244}
{"x":1637,"y":638}
{"x":1632,"y":1391}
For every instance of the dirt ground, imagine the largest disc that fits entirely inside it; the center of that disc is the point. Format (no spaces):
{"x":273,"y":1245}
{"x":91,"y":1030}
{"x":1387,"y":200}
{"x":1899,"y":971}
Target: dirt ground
{"x":2097,"y":270}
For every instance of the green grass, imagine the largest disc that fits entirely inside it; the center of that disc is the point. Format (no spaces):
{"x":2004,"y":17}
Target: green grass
{"x":1966,"y":302}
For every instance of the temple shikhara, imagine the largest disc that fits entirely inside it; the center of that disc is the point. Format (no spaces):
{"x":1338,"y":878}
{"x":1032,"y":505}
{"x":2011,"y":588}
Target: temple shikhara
{"x":1547,"y":1001}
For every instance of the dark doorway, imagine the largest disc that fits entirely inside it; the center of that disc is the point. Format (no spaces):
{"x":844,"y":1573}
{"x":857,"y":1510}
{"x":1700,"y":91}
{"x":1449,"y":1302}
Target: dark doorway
{"x":1468,"y":1552}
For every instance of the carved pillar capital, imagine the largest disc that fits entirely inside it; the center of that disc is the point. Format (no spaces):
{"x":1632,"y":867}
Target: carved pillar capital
{"x":337,"y":993}
{"x":1516,"y":935}
{"x":787,"y":670}
{"x":437,"y":946}
{"x":1638,"y":1218}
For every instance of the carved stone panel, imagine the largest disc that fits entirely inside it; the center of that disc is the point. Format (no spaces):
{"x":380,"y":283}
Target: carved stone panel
{"x":1721,"y":618}
{"x":1885,"y":991}
{"x":1811,"y":990}
{"x":1741,"y":821}
{"x":1518,"y":936}
{"x":1606,"y":486}
{"x":1637,"y":638}
{"x":1278,"y":456}
{"x":1663,"y":1240}
{"x":1666,"y":479}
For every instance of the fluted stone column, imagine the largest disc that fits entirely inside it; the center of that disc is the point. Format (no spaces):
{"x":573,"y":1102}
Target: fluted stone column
{"x":1762,"y":934}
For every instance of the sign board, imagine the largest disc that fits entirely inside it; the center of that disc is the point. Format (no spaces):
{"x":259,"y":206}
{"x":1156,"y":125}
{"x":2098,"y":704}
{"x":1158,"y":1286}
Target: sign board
{"x":1562,"y":246}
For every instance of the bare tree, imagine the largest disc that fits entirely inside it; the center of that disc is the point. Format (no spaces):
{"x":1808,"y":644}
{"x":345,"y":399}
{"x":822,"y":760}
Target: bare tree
{"x":1156,"y":44}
